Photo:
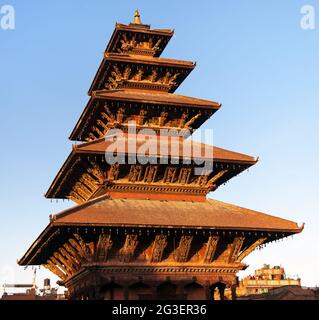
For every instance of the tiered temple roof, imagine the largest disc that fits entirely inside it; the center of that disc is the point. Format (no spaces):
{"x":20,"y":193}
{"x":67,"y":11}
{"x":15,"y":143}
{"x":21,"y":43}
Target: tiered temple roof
{"x":208,"y":217}
{"x":154,"y":109}
{"x":87,"y":165}
{"x":147,"y":224}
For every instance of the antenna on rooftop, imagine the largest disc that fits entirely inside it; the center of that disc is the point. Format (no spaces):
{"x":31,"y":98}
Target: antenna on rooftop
{"x":34,"y":277}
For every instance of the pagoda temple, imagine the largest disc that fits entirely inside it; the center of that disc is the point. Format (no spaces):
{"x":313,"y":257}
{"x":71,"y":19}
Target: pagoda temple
{"x":146,"y":230}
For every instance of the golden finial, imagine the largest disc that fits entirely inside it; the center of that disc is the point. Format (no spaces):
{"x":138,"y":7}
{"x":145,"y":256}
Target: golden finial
{"x":137,"y":19}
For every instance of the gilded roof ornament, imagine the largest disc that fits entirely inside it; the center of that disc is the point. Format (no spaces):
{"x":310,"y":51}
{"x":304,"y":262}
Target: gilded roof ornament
{"x":137,"y":19}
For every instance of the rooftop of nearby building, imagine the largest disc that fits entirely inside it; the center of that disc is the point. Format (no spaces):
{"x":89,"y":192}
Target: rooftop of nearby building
{"x":285,"y":293}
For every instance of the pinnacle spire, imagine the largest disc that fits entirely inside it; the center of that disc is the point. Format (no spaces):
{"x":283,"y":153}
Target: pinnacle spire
{"x":137,"y":19}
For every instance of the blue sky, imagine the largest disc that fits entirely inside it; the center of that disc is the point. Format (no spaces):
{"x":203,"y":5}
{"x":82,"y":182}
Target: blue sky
{"x":251,"y":55}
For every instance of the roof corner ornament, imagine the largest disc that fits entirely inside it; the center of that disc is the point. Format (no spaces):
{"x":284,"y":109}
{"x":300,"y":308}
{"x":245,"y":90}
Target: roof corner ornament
{"x":137,"y":19}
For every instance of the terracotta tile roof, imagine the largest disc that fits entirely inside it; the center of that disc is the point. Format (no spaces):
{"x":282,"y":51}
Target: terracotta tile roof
{"x":156,"y":97}
{"x":106,"y":212}
{"x":285,"y":293}
{"x":143,"y":29}
{"x":154,"y":213}
{"x":120,"y":57}
{"x":200,"y":150}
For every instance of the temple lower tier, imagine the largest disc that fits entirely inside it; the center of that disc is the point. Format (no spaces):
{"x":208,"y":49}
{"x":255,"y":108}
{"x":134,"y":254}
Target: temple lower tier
{"x":151,"y":249}
{"x":152,"y":283}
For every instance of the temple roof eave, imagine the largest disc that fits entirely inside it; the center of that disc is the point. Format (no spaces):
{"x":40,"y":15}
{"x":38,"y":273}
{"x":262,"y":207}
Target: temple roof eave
{"x":87,"y":219}
{"x":152,"y":61}
{"x":117,"y":57}
{"x":155,"y":97}
{"x":168,"y":33}
{"x":31,"y":254}
{"x":142,"y":97}
{"x":98,"y":147}
{"x":217,"y":214}
{"x":132,"y":27}
{"x":159,"y":226}
{"x":33,"y":249}
{"x":66,"y":165}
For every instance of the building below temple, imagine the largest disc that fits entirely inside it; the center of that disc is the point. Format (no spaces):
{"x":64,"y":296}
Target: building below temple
{"x":32,"y":292}
{"x":288,"y":292}
{"x":264,"y":280}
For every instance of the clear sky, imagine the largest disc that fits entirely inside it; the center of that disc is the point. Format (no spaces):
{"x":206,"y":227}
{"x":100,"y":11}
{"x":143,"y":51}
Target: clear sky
{"x":252,"y":56}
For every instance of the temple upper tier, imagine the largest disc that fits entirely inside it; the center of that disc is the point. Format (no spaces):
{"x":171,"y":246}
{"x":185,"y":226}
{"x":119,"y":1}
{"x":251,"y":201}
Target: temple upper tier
{"x":156,"y":110}
{"x":138,"y":39}
{"x":131,"y":61}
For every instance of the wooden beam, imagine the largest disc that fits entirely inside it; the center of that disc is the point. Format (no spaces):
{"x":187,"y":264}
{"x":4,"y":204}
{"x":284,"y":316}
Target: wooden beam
{"x":80,"y":246}
{"x":183,"y":249}
{"x":58,"y":264}
{"x":250,"y":249}
{"x":127,"y":252}
{"x":216,"y":177}
{"x":104,"y":244}
{"x":159,"y":244}
{"x":75,"y":261}
{"x":97,"y":172}
{"x":50,"y":266}
{"x":68,"y":265}
{"x":89,"y":182}
{"x":236,"y":247}
{"x":211,"y":249}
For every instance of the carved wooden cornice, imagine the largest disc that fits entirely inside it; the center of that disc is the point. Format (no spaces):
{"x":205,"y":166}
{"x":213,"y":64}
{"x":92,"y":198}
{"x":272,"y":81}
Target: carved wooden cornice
{"x":172,"y":269}
{"x":157,"y":188}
